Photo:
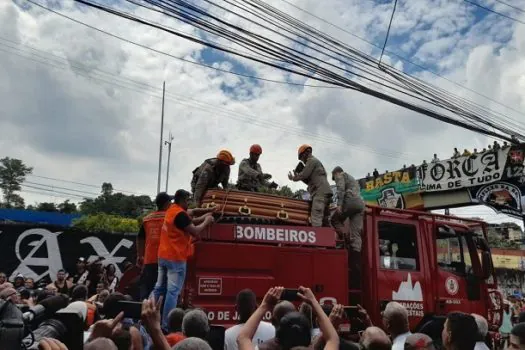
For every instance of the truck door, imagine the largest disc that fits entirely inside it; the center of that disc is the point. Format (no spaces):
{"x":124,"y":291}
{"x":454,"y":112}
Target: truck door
{"x":401,"y":270}
{"x":458,"y":283}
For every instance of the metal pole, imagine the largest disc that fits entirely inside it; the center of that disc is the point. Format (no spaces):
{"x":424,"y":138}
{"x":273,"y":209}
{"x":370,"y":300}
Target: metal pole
{"x":161,"y":135}
{"x":169,"y":157}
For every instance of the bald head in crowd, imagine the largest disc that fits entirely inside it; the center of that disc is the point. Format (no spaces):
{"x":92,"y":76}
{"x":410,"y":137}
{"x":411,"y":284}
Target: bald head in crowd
{"x":100,"y":344}
{"x":280,"y":310}
{"x":419,"y":341}
{"x":395,"y":319}
{"x":192,"y":344}
{"x":483,"y":326}
{"x":374,"y":338}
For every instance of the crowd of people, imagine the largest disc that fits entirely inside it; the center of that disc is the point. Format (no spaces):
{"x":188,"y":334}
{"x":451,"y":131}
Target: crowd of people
{"x":99,"y":279}
{"x":302,"y":325}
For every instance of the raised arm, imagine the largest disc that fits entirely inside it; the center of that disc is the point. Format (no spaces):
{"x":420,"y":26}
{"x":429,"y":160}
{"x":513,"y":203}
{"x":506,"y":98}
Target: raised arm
{"x":250,"y":327}
{"x":328,"y":330}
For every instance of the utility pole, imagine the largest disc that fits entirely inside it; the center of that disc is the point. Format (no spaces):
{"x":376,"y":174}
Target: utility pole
{"x":161,"y":135}
{"x":169,"y":156}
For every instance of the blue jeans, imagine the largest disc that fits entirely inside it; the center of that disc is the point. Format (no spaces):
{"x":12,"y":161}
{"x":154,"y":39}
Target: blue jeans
{"x":170,"y":281}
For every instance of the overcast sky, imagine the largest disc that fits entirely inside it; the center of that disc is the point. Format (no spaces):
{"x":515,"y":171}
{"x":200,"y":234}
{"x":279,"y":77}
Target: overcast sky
{"x":81,"y":106}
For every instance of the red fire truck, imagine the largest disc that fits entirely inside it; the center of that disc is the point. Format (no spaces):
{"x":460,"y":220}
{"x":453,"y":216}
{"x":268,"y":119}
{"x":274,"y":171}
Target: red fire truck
{"x":432,"y":264}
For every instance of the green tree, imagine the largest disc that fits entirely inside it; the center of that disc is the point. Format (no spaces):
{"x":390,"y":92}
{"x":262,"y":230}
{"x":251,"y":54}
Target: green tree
{"x":106,"y":223}
{"x":49,"y":207}
{"x":67,"y":208}
{"x":12,"y":174}
{"x":120,"y":204}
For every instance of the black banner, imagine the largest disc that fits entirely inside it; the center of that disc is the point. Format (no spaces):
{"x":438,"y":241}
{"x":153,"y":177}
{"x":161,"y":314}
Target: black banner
{"x":38,"y":251}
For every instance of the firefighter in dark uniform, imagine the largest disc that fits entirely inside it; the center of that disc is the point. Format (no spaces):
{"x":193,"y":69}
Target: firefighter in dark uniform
{"x":251,"y":176}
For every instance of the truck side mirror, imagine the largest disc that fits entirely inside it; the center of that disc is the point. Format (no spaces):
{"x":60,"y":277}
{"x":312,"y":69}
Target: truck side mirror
{"x":486,"y":265}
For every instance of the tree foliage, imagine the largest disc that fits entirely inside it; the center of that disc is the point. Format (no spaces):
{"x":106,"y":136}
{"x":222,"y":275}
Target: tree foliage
{"x":119,"y":204}
{"x":48,"y":207}
{"x":106,"y":223}
{"x":67,"y":208}
{"x":12,"y":174}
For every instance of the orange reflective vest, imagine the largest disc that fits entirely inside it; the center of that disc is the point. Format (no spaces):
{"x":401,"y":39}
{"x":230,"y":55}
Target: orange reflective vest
{"x":90,"y":316}
{"x":152,"y":227}
{"x":175,"y":244}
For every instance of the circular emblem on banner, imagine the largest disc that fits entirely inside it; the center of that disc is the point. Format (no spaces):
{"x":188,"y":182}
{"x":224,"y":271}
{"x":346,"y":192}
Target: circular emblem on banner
{"x":502,"y":197}
{"x":452,"y":285}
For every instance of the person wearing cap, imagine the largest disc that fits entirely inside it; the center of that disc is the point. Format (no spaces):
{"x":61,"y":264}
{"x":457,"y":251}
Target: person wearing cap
{"x":314,"y":175}
{"x":211,"y":173}
{"x":148,"y":244}
{"x":81,"y":277}
{"x":251,"y":176}
{"x":19,"y":281}
{"x":175,"y":247}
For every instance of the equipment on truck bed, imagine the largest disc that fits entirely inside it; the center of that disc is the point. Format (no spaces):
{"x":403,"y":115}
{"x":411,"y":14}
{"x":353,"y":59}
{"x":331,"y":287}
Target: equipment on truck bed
{"x":274,"y":209}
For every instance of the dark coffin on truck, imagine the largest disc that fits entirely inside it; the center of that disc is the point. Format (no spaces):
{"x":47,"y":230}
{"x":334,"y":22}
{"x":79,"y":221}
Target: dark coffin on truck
{"x":239,"y":204}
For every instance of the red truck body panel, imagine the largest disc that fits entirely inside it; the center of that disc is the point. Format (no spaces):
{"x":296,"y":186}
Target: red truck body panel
{"x":420,"y":274}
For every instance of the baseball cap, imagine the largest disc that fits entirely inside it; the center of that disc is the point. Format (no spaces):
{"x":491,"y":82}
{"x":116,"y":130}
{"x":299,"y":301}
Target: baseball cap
{"x":162,"y":198}
{"x":81,"y":259}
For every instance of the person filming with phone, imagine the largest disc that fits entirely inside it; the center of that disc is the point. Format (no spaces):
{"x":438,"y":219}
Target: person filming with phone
{"x":294,"y":329}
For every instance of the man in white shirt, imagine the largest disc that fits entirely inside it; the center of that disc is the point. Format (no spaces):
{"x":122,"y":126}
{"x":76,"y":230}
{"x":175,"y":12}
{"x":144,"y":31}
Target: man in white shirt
{"x":483,"y":329}
{"x":395,"y":320}
{"x":246,"y":305}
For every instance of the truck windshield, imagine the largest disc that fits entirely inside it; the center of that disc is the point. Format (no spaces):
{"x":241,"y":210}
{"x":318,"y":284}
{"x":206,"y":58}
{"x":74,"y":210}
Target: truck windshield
{"x":453,"y":254}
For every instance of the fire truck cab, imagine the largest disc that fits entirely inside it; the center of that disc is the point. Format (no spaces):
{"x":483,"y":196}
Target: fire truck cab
{"x":432,"y":264}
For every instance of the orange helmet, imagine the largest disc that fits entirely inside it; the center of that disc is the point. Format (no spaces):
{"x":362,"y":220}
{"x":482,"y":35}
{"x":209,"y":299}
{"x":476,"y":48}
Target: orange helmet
{"x":302,"y":149}
{"x":256,"y":149}
{"x":226,"y":157}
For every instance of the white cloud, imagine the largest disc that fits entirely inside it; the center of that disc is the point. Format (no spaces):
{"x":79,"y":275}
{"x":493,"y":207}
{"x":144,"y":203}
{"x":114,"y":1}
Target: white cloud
{"x":80,"y":128}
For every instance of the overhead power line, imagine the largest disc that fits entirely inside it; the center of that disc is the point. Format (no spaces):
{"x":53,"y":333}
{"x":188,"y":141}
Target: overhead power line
{"x":118,"y":80}
{"x":55,"y":191}
{"x":472,"y":126}
{"x":402,"y":58}
{"x":175,"y":57}
{"x":82,"y":184}
{"x":509,"y":5}
{"x":388,"y":32}
{"x":314,"y":56}
{"x":494,"y":11}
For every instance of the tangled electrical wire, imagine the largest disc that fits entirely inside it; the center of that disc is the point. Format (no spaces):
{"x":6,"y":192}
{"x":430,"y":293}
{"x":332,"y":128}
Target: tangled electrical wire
{"x":261,"y":33}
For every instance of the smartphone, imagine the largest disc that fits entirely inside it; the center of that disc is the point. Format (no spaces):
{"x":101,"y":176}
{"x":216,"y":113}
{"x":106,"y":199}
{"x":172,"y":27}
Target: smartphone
{"x":132,"y":309}
{"x":290,"y":295}
{"x":351,"y":312}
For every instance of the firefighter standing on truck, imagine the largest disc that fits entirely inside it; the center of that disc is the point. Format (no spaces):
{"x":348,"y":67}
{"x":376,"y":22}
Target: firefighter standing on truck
{"x":148,"y":244}
{"x":210,"y":174}
{"x":350,"y":205}
{"x":314,"y":175}
{"x":251,"y":177}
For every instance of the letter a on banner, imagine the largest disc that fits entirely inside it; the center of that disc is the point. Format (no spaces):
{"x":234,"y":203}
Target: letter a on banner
{"x":53,"y":261}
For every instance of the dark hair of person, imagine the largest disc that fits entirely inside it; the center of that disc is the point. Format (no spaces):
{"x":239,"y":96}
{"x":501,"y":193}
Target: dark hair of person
{"x":79,"y":293}
{"x":111,"y":307}
{"x":181,"y":195}
{"x":463,"y":330}
{"x":122,"y":339}
{"x":519,"y":331}
{"x":246,"y":304}
{"x":294,"y":330}
{"x":175,"y":320}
